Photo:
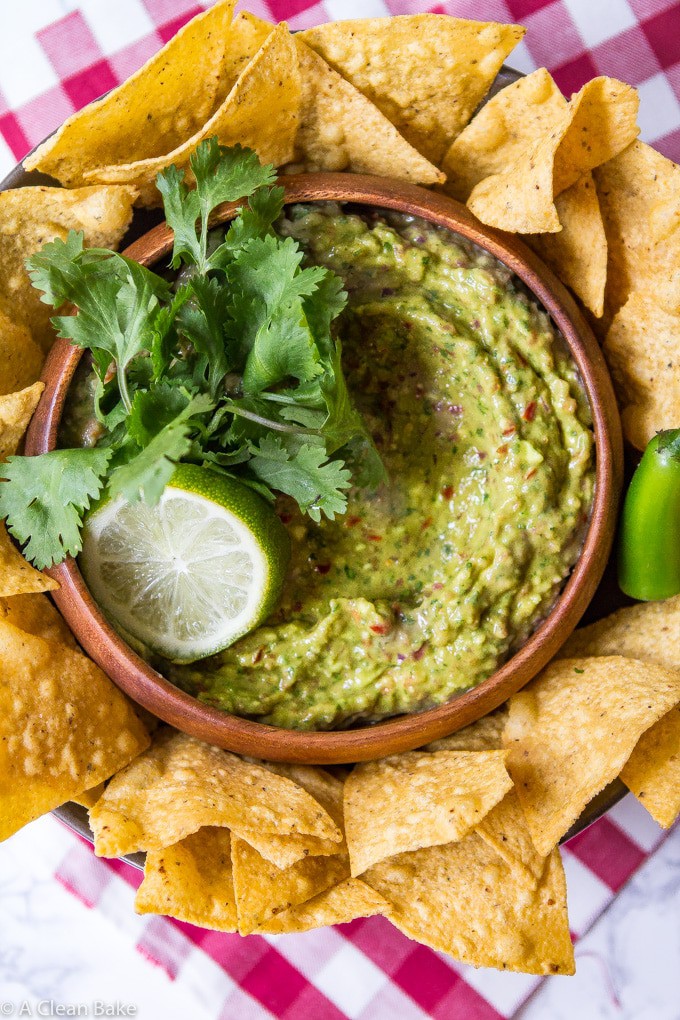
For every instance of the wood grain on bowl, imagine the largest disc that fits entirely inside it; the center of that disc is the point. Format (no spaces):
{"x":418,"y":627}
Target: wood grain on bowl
{"x":186,"y":713}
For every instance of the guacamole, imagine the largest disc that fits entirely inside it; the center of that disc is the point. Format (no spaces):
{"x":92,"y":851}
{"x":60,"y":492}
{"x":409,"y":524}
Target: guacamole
{"x":426,"y":585}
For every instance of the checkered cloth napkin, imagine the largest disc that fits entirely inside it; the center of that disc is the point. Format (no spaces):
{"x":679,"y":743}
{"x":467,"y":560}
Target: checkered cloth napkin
{"x":56,"y":56}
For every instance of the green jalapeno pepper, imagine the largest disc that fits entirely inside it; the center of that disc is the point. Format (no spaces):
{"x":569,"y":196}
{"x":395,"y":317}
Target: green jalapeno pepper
{"x":649,"y":541}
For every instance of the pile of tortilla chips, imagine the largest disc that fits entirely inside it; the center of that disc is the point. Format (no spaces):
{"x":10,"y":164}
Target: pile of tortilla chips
{"x":457,"y":844}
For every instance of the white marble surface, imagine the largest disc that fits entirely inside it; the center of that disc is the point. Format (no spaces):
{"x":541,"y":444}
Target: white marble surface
{"x":53,"y":949}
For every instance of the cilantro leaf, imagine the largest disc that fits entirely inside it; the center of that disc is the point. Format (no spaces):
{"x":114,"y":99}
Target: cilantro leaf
{"x":118,"y":302}
{"x":283,"y":347}
{"x":222,"y":175}
{"x":153,"y":409}
{"x":46,"y":498}
{"x":202,"y":321}
{"x":146,"y":474}
{"x":255,"y":219}
{"x":266,"y":272}
{"x":307,"y":475}
{"x":58,"y":268}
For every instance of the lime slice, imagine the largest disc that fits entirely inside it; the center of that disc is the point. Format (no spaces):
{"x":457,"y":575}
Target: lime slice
{"x":192,"y":574}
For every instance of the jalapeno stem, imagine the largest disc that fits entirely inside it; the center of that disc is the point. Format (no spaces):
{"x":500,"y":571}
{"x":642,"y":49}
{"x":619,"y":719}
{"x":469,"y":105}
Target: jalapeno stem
{"x":649,"y":541}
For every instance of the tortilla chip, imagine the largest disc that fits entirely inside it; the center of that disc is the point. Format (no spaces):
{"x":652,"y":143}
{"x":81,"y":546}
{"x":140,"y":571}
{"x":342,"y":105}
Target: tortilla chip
{"x":340,"y":129}
{"x":505,"y":829}
{"x":571,"y":731}
{"x":649,"y":631}
{"x":598,"y":123}
{"x":88,"y":798}
{"x":577,"y":254}
{"x":155,"y":110}
{"x":36,"y":615}
{"x":499,"y":134}
{"x":20,"y":357}
{"x":283,"y":851}
{"x":419,"y":799}
{"x":17,"y":576}
{"x":425,"y":72}
{"x":191,"y":881}
{"x":639,"y":194}
{"x":260,"y":112}
{"x":64,"y":727}
{"x":16,"y":411}
{"x":641,"y":349}
{"x":339,"y":905}
{"x":29,"y":217}
{"x":182,"y":784}
{"x":262,"y":890}
{"x":463,"y":899}
{"x":486,"y":734}
{"x":652,"y":772}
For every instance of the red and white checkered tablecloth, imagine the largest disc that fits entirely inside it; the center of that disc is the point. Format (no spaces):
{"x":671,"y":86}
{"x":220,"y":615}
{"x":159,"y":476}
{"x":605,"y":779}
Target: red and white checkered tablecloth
{"x":56,"y":56}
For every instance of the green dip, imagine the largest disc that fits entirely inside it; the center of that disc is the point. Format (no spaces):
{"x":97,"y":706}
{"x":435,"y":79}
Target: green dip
{"x":426,"y":586}
{"x":423,"y":588}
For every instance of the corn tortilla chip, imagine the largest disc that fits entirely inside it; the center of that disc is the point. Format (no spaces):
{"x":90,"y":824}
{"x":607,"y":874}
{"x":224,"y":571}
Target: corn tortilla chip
{"x":340,"y":129}
{"x":649,"y":631}
{"x":17,"y":576}
{"x":260,"y":112}
{"x":283,"y":851}
{"x":339,"y":905}
{"x":155,"y":110}
{"x":465,"y":900}
{"x":639,"y":192}
{"x":191,"y":881}
{"x":64,"y":727}
{"x":500,"y":133}
{"x":598,"y":123}
{"x":20,"y":357}
{"x":29,"y":217}
{"x":571,"y":731}
{"x":181,"y":784}
{"x":419,"y":799}
{"x":642,"y":352}
{"x":652,"y":772}
{"x":88,"y":798}
{"x":262,"y":890}
{"x":505,"y":830}
{"x":16,"y":411}
{"x":36,"y":615}
{"x":486,"y":734}
{"x":425,"y":72}
{"x":577,"y":253}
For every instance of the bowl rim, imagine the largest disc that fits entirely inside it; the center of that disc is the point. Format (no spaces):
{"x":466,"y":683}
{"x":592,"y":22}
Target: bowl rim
{"x":154,"y":692}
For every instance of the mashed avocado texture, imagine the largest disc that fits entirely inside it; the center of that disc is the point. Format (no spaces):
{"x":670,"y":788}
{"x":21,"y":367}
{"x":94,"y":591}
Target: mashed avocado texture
{"x":427,"y":585}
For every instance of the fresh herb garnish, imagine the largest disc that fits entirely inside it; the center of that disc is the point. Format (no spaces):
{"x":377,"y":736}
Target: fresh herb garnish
{"x":44,"y":507}
{"x":234,"y":366}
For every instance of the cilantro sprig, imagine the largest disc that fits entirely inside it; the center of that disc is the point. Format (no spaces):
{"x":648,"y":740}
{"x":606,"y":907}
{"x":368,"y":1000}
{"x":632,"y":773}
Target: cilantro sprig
{"x":235,"y":365}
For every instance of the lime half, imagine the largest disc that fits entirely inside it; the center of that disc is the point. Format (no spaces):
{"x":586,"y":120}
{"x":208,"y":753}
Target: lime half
{"x":192,"y":574}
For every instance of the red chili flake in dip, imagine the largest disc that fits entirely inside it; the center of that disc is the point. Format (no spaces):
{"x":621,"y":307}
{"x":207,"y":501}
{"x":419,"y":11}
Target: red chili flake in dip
{"x":530,"y":411}
{"x":447,"y":491}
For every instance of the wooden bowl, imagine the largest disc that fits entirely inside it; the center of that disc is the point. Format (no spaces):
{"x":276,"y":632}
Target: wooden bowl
{"x":145,"y":686}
